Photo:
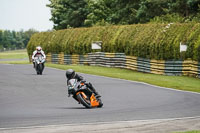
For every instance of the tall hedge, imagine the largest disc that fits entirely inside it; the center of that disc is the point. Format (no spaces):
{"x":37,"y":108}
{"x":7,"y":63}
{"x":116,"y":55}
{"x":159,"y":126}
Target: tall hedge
{"x":152,"y":41}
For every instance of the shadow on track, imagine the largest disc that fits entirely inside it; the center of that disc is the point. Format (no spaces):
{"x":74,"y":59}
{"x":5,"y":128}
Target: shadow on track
{"x":71,"y":108}
{"x":36,"y":74}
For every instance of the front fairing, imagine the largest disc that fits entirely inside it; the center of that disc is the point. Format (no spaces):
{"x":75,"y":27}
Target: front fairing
{"x":72,"y":86}
{"x":39,"y":59}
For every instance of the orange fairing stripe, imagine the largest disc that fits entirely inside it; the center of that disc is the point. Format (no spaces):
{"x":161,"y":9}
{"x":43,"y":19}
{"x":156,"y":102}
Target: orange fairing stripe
{"x":93,"y":101}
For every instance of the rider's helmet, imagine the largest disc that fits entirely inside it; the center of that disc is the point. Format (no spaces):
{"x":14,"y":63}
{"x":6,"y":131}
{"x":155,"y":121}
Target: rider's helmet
{"x":38,"y":48}
{"x":70,"y":73}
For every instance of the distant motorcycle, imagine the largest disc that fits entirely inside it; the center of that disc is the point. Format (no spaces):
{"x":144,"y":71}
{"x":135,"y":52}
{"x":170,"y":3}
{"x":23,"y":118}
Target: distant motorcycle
{"x":83,"y":94}
{"x":39,"y":64}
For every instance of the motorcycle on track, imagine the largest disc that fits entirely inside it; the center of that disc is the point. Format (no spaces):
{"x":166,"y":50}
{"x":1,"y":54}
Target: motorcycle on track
{"x":39,"y":64}
{"x":83,"y":94}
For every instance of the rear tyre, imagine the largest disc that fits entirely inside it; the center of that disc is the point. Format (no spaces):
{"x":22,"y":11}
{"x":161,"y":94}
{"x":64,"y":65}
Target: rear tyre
{"x":85,"y":102}
{"x":100,"y":103}
{"x":40,"y":72}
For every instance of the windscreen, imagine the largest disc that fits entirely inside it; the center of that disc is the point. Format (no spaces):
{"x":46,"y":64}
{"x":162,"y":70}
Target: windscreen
{"x":72,"y":82}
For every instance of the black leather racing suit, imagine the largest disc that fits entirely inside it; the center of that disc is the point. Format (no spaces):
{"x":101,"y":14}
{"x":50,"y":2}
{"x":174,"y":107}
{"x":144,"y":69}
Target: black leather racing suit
{"x":80,"y":78}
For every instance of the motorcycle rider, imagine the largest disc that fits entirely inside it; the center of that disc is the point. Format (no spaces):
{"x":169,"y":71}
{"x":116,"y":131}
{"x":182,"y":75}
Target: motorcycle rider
{"x":71,"y":74}
{"x":36,"y":53}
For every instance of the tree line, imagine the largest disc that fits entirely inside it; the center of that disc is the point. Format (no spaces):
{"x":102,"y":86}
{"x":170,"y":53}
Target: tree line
{"x":86,"y":13}
{"x":10,"y":40}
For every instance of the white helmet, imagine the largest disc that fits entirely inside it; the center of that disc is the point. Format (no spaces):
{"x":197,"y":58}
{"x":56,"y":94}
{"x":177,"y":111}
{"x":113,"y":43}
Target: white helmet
{"x":38,"y":48}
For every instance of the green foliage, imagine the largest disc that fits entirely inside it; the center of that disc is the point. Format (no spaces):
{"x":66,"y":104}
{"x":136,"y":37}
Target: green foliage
{"x":98,"y":12}
{"x":168,"y":18}
{"x":149,"y":9}
{"x":68,"y":13}
{"x":14,"y":40}
{"x":189,"y":132}
{"x":184,"y":8}
{"x":153,"y":41}
{"x":85,"y":13}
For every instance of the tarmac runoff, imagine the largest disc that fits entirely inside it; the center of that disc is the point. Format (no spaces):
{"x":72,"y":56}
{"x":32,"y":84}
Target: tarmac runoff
{"x":137,"y":126}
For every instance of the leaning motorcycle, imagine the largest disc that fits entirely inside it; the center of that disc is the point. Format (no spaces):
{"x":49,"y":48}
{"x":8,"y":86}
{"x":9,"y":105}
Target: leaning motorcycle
{"x":39,"y":64}
{"x":82,"y":93}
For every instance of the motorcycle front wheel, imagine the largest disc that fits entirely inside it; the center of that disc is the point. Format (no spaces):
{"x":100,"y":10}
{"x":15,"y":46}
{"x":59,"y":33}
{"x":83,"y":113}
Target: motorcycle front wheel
{"x":84,"y":100}
{"x":40,"y":68}
{"x":37,"y":68}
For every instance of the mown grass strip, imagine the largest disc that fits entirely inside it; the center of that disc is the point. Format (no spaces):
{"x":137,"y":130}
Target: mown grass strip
{"x":15,"y":62}
{"x":176,"y":82}
{"x":16,"y":54}
{"x":189,"y":132}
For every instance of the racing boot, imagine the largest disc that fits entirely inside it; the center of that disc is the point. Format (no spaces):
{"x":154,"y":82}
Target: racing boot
{"x":94,"y":91}
{"x":33,"y":64}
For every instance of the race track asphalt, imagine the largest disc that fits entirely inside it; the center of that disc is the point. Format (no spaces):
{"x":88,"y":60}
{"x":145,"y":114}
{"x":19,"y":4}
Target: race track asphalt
{"x":27,"y":99}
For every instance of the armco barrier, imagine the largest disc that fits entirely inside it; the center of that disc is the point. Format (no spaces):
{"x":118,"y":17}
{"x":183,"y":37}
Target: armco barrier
{"x":120,"y":60}
{"x":173,"y":67}
{"x":83,"y":59}
{"x":157,"y":66}
{"x":75,"y":59}
{"x":143,"y":65}
{"x":96,"y":59}
{"x":49,"y":57}
{"x":113,"y":60}
{"x":68,"y":59}
{"x":131,"y":63}
{"x":190,"y":68}
{"x":54,"y":58}
{"x":61,"y":58}
{"x":198,"y":73}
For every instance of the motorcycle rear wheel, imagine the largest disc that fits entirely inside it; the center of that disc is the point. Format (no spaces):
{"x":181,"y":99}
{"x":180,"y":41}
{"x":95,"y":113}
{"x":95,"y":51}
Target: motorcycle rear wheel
{"x":100,"y":103}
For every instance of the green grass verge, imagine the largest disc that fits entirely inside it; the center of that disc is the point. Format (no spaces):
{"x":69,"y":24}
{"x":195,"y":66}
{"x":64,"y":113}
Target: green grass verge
{"x":16,"y":54}
{"x":176,"y":82}
{"x":189,"y":132}
{"x":15,"y":62}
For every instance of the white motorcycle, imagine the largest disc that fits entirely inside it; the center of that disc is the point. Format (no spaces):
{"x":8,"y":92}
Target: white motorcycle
{"x":39,"y":64}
